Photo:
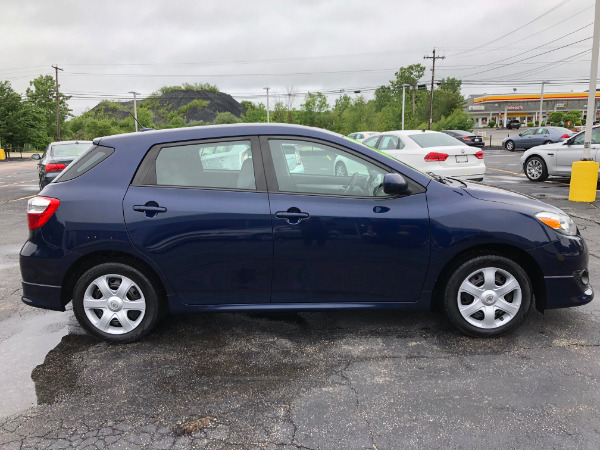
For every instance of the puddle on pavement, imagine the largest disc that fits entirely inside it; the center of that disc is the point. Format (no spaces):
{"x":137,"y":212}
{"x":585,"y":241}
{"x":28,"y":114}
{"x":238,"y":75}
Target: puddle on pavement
{"x":22,"y":352}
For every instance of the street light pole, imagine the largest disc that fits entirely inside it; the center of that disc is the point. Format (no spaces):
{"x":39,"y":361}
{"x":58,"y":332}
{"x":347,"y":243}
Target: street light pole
{"x":584,"y":173}
{"x":404,"y":86}
{"x":135,"y":108}
{"x":268,"y":119}
{"x":56,"y":68}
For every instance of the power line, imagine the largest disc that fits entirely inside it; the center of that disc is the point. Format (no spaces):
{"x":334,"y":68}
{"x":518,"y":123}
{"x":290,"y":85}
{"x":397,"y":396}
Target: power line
{"x":513,"y":31}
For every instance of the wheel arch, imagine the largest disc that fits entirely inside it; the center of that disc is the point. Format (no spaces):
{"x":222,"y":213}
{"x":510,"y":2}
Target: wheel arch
{"x":90,"y":260}
{"x":521,"y":257}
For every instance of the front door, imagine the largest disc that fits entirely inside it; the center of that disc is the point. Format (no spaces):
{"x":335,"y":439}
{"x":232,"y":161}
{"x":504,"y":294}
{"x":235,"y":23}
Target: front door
{"x":206,"y":225}
{"x":568,"y":154}
{"x":337,"y":236}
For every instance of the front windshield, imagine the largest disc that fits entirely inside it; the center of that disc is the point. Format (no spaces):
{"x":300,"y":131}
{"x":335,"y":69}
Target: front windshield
{"x":426,"y":140}
{"x":70,"y":150}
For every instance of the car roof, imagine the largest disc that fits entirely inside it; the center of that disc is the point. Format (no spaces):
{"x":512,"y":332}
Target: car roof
{"x":214,"y":131}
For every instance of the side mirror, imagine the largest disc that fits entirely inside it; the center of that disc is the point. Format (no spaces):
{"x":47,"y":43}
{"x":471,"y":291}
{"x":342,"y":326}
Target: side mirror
{"x":521,"y":134}
{"x":36,"y":156}
{"x":394,"y":184}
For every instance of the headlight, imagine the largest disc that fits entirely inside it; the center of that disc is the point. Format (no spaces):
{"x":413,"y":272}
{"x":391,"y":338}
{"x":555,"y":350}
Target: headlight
{"x":559,"y":222}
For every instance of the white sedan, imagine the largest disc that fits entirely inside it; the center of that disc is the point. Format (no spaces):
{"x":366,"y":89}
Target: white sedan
{"x":431,"y":151}
{"x":557,"y":159}
{"x":360,"y":136}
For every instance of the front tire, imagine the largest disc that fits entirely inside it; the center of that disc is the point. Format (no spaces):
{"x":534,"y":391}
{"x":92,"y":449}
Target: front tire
{"x":510,"y":146}
{"x":535,"y":169}
{"x":340,"y":170}
{"x":116,"y":302}
{"x":488,"y":296}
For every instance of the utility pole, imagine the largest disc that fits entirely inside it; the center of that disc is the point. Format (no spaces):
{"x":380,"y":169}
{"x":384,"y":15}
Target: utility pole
{"x":541,"y":103}
{"x":404,"y":86}
{"x":432,"y":81}
{"x":135,"y":108}
{"x":56,"y":68}
{"x":267,"y":88}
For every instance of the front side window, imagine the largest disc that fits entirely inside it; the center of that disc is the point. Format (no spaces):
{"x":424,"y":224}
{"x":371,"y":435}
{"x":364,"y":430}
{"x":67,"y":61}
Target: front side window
{"x":529,"y":132}
{"x":325,"y":170}
{"x":580,"y":138}
{"x":225,"y":165}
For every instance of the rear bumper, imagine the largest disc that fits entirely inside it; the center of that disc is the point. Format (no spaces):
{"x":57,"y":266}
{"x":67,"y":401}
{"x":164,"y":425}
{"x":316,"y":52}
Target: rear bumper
{"x":42,"y":296}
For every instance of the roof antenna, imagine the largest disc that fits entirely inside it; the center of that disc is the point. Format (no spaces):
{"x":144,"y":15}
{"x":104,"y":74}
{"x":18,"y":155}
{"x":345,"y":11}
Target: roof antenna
{"x":142,"y":128}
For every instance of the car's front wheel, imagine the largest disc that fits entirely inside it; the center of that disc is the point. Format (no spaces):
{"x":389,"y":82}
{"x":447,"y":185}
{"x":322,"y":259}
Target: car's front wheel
{"x":488,"y":296}
{"x":116,"y":302}
{"x":535,"y":169}
{"x":340,"y":170}
{"x":510,"y":146}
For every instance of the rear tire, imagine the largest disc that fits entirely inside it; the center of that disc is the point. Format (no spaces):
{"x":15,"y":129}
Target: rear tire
{"x":548,"y":142}
{"x":113,"y":311}
{"x":535,"y":169}
{"x":487,"y":296}
{"x":340,"y":170}
{"x":510,"y":146}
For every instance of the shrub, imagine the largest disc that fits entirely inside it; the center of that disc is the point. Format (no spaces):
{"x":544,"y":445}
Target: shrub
{"x":197,"y":103}
{"x":492,"y":123}
{"x":529,"y":124}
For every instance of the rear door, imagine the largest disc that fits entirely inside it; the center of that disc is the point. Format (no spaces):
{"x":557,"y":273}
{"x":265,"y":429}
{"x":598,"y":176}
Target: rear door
{"x":340,"y":238}
{"x":209,"y":229}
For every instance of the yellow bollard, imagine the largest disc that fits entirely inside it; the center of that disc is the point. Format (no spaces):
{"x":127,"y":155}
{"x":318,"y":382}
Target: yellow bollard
{"x":2,"y":154}
{"x":584,"y":181}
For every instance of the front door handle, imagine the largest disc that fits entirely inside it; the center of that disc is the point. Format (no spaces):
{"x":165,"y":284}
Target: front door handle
{"x":292,"y":215}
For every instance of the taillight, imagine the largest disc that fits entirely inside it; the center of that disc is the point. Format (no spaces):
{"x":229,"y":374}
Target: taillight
{"x":466,"y":138}
{"x":39,"y":210}
{"x":565,"y":136}
{"x":434,"y":156}
{"x":298,"y":159}
{"x":54,"y":167}
{"x":479,"y":154}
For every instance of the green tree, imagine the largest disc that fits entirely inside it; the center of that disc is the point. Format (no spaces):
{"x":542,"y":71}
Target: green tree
{"x":28,"y":127}
{"x":409,"y":75}
{"x":42,"y":94}
{"x":225,"y":117}
{"x":451,"y":85}
{"x":313,"y":109}
{"x":254,"y":113}
{"x":573,"y":117}
{"x":458,"y":120}
{"x":556,"y":117}
{"x":10,"y":104}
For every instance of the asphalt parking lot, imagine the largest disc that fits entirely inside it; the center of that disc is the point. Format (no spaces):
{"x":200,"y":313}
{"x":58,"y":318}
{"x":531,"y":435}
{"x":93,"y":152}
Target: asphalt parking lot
{"x":330,"y":380}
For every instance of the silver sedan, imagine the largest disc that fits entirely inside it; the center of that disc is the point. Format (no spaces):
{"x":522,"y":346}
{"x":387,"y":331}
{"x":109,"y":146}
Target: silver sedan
{"x":557,"y":159}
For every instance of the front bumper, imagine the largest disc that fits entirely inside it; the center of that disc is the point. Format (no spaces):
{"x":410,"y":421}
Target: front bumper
{"x":562,"y":263}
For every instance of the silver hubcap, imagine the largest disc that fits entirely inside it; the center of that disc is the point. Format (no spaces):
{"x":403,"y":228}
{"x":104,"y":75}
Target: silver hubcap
{"x":510,"y":145}
{"x":534,"y":169}
{"x":489,"y":298}
{"x":114,"y":304}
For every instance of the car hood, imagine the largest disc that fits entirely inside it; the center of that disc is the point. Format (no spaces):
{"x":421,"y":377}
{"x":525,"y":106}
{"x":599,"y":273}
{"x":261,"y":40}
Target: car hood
{"x":499,"y":195}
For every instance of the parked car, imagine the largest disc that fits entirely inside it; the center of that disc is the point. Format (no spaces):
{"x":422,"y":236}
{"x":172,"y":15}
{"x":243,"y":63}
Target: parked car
{"x":56,"y":157}
{"x":362,"y":135}
{"x":465,"y":137}
{"x":536,"y":136}
{"x":558,"y":158}
{"x":432,"y":151}
{"x":513,"y":124}
{"x":138,"y":226}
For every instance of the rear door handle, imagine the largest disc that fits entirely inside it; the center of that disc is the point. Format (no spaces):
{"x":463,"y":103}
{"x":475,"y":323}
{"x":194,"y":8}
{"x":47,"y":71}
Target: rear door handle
{"x":144,"y":208}
{"x":292,"y":217}
{"x":150,"y":208}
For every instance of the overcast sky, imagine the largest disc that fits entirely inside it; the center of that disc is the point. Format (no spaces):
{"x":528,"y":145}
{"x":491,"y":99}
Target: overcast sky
{"x":108,"y":48}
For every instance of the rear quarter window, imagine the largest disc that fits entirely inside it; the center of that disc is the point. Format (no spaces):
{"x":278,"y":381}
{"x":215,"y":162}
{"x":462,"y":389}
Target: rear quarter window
{"x":85,"y":162}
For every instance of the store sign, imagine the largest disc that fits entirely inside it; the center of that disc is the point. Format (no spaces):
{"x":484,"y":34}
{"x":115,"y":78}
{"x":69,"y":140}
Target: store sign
{"x":477,"y":108}
{"x":561,"y":105}
{"x":513,"y":108}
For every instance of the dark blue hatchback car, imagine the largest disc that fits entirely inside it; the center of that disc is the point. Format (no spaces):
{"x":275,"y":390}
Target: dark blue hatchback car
{"x":224,"y":218}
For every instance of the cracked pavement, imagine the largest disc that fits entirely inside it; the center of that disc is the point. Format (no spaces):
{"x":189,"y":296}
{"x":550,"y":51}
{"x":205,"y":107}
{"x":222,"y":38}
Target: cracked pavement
{"x":347,"y":379}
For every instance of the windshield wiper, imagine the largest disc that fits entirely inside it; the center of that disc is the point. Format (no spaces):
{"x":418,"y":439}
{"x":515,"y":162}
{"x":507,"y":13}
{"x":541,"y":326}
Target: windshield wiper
{"x":436,"y":177}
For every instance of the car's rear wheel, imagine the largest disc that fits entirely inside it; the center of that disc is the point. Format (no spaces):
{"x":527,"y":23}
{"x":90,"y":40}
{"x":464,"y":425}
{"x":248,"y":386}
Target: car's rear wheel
{"x":488,"y":296}
{"x":535,"y":169}
{"x":547,"y":142}
{"x":340,"y":170}
{"x":116,"y":302}
{"x":509,"y":145}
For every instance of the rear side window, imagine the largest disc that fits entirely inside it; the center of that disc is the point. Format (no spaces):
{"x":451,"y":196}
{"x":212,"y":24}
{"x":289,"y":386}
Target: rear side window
{"x":85,"y":162}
